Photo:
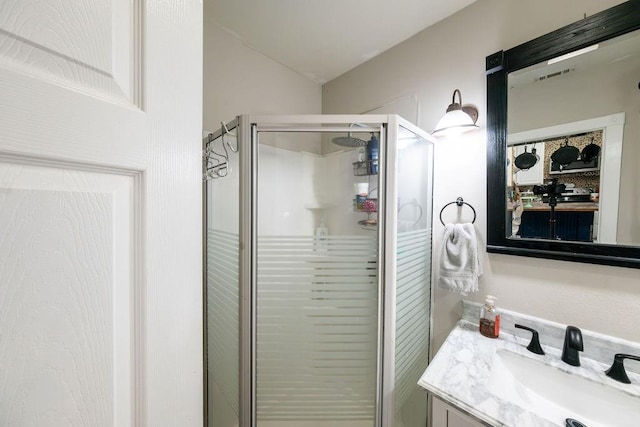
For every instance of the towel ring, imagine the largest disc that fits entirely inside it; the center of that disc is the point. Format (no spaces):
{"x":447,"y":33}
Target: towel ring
{"x":459,"y":202}
{"x":415,"y":204}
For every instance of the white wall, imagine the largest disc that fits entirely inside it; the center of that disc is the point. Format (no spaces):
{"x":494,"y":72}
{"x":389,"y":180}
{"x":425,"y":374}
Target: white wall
{"x":430,"y":66}
{"x":239,"y":80}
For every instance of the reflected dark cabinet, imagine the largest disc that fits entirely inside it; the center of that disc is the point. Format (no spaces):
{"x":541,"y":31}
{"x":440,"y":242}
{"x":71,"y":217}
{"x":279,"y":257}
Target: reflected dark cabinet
{"x":570,"y":226}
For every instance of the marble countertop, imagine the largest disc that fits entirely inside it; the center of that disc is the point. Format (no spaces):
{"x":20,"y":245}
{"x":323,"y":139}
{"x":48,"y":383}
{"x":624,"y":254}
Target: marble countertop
{"x":460,"y":371}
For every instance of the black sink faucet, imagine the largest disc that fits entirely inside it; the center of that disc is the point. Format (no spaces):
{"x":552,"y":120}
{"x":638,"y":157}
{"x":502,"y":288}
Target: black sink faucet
{"x":616,"y":371}
{"x":534,"y":345}
{"x":572,"y":344}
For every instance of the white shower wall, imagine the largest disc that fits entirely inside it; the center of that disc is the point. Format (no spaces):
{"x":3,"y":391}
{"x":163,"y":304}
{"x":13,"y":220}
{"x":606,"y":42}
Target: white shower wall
{"x":283,"y":180}
{"x":297,"y":189}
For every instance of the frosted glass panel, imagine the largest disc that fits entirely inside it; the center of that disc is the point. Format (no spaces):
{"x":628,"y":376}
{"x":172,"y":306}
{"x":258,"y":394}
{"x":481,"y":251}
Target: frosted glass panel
{"x":413,"y":277}
{"x":412,"y":315}
{"x":222,"y":313}
{"x":316,"y":328}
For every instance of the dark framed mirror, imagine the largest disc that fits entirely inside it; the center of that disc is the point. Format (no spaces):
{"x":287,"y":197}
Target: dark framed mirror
{"x":563,"y":127}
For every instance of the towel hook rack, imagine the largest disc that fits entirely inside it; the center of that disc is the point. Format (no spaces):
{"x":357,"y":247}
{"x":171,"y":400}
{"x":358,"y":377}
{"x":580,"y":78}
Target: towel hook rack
{"x":459,"y":202}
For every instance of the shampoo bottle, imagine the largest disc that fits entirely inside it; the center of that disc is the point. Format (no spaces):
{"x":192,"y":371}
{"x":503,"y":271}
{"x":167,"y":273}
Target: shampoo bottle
{"x":489,"y":318}
{"x":372,"y":154}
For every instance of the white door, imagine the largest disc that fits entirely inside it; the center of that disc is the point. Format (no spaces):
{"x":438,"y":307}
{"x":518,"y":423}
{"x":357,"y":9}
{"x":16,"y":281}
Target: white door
{"x":100,"y":213}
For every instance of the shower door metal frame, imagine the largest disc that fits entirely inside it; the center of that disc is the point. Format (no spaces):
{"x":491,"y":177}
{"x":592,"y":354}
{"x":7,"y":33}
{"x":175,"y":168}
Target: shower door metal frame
{"x":247,"y":271}
{"x":248,"y":128}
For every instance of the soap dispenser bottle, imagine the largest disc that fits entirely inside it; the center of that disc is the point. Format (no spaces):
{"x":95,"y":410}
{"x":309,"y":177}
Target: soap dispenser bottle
{"x":322,"y":232}
{"x":489,"y":318}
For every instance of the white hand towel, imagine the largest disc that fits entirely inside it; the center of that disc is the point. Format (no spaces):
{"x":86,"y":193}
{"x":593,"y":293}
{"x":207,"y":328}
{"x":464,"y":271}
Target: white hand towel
{"x":459,"y":261}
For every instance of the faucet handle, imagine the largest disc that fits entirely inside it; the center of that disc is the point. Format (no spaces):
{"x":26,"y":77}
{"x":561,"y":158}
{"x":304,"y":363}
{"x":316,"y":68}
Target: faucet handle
{"x":616,"y":371}
{"x":534,"y":345}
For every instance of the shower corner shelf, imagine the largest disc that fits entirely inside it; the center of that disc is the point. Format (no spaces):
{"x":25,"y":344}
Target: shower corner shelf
{"x":318,"y":206}
{"x":363,"y":168}
{"x":370,"y":206}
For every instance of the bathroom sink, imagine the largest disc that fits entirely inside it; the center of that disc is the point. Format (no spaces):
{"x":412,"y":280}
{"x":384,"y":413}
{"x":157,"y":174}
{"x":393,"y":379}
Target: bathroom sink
{"x":557,"y":395}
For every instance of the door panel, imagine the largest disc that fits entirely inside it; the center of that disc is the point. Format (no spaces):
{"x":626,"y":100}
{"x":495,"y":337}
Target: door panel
{"x":67,"y":289}
{"x":100,"y":281}
{"x":92,"y":46}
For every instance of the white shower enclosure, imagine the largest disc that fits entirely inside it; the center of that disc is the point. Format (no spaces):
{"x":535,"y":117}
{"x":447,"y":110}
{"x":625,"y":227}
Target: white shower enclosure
{"x":317,"y":301}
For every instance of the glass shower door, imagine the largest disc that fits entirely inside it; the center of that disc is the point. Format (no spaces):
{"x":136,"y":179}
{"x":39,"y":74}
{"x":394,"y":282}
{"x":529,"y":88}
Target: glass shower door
{"x":317,"y":286}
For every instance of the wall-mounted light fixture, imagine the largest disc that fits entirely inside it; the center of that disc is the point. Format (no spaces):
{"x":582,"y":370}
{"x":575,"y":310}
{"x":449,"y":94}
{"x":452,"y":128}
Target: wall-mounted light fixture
{"x":572,"y":54}
{"x":458,"y":119}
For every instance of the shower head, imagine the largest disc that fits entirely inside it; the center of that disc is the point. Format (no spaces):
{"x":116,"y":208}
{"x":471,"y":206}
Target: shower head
{"x":349,"y":141}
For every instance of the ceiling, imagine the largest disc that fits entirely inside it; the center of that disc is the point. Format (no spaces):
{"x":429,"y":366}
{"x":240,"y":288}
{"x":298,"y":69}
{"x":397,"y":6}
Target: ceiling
{"x":322,"y":39}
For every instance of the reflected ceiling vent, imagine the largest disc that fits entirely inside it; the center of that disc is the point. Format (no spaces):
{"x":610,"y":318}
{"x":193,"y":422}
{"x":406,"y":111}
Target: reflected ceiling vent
{"x":556,"y":74}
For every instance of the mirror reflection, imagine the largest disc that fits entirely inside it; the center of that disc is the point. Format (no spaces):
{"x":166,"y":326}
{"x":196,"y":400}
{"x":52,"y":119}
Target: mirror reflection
{"x":554,"y":188}
{"x":573,"y":144}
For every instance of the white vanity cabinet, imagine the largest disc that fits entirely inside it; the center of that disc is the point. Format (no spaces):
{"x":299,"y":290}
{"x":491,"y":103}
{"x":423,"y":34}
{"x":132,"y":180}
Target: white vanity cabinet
{"x":445,"y":415}
{"x":535,"y":174}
